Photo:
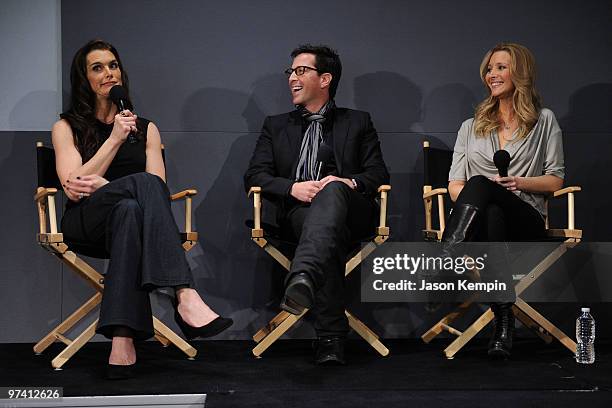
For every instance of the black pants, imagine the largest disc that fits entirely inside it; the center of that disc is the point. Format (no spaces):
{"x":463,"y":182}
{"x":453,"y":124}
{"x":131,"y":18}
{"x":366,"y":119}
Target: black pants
{"x":327,"y":230}
{"x":132,"y":220}
{"x":503,"y":215}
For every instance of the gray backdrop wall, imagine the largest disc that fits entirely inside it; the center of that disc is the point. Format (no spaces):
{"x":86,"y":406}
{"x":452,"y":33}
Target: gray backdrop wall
{"x":209,"y":72}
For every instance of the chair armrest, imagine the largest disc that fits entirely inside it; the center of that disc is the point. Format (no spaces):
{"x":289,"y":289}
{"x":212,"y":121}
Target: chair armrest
{"x":42,"y":193}
{"x":45,"y":200}
{"x":382,"y":228}
{"x":566,"y":190}
{"x":428,"y":196}
{"x":256,"y":231}
{"x":183,"y":194}
{"x":569,"y":191}
{"x":254,"y":190}
{"x":186,"y":194}
{"x":434,"y":192}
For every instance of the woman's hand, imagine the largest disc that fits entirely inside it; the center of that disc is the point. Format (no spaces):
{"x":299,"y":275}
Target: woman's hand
{"x":511,"y":183}
{"x":125,"y":122}
{"x":83,"y":186}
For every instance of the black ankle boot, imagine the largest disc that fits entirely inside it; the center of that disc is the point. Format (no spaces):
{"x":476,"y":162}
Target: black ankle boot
{"x":501,"y":341}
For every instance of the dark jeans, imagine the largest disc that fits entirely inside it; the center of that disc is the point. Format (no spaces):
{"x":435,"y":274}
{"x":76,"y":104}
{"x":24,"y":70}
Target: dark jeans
{"x":502,"y":217}
{"x":326,"y":231}
{"x":132,"y":220}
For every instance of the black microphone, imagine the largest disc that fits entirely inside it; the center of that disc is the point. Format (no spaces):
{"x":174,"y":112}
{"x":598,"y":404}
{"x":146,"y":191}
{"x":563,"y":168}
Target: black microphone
{"x":119,"y":96}
{"x":324,"y":156}
{"x":501,"y":158}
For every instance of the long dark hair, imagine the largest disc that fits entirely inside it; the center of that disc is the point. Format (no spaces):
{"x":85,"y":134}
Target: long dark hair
{"x":81,"y":114}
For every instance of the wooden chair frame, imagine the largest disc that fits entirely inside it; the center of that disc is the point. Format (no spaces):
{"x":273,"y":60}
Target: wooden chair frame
{"x":53,"y":241}
{"x":526,"y":314}
{"x":284,"y":320}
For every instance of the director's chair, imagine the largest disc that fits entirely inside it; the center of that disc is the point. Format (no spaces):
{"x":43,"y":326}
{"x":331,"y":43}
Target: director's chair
{"x":53,"y":241}
{"x":284,"y":320}
{"x":437,"y":163}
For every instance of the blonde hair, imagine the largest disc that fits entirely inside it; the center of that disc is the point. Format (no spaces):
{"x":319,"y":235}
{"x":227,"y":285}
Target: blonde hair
{"x":525,"y":99}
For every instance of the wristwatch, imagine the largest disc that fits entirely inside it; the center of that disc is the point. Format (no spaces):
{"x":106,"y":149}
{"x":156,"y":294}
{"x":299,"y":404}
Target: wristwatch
{"x":354,"y":184}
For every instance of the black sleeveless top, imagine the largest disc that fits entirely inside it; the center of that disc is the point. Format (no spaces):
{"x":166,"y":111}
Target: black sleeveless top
{"x":130,"y":158}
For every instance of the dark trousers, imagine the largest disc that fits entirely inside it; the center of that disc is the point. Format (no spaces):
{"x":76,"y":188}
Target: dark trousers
{"x":502,"y":217}
{"x":326,"y":231}
{"x":132,"y":220}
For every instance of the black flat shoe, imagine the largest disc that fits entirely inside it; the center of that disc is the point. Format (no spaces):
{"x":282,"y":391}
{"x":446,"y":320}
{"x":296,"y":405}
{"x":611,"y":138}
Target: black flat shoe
{"x":299,"y":294}
{"x":208,"y":330}
{"x":120,"y":372}
{"x":329,"y":351}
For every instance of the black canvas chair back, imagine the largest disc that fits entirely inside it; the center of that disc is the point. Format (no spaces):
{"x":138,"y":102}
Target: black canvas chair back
{"x":437,"y":163}
{"x":45,"y":161}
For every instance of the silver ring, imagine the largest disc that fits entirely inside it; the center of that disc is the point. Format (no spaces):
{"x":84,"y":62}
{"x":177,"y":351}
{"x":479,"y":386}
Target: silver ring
{"x":80,"y":196}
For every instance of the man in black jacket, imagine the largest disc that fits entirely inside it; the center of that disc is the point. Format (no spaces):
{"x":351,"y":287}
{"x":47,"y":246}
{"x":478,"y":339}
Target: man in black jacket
{"x":322,"y":165}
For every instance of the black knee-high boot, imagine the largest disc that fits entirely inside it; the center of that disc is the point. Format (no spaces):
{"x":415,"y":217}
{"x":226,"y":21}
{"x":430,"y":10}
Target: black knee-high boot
{"x":460,"y":225}
{"x":501,"y":341}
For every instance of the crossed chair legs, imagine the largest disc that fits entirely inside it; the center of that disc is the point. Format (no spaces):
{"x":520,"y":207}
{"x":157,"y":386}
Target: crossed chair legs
{"x":163,"y":333}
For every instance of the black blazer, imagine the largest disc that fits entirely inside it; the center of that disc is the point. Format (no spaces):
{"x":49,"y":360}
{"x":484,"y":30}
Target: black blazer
{"x":356,"y":152}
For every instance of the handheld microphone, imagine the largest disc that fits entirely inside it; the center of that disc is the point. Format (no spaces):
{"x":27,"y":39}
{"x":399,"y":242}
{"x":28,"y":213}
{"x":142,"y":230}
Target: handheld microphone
{"x":324,"y":156}
{"x":501,"y":158}
{"x":118,"y":94}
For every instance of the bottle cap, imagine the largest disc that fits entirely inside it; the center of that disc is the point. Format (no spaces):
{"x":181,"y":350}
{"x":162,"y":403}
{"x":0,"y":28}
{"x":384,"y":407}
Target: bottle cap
{"x":585,"y":309}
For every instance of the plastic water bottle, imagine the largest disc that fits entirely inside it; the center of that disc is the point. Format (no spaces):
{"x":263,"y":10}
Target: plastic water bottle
{"x":585,"y":337}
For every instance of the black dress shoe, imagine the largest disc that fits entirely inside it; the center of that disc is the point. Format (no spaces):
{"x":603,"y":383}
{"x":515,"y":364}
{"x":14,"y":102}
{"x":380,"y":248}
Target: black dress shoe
{"x":329,"y":351}
{"x":120,"y":372}
{"x":500,"y":344}
{"x":208,"y":330}
{"x":299,"y":294}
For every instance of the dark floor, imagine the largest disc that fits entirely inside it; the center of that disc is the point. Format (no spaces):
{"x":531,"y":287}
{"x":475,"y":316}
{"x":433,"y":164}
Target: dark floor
{"x":414,"y":374}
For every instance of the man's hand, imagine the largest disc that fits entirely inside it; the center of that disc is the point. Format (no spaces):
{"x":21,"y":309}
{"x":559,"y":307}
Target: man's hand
{"x":305,"y":191}
{"x":328,"y":179}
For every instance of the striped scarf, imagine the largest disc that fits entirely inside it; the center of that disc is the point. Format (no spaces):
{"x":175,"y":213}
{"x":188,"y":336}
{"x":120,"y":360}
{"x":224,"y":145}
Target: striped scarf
{"x":307,"y":166}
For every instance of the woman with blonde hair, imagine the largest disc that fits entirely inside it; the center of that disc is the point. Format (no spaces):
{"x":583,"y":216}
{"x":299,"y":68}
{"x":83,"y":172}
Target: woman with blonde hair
{"x":489,"y":207}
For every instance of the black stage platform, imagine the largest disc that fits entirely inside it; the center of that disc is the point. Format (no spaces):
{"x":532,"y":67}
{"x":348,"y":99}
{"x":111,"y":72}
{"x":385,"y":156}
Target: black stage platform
{"x":414,"y":374}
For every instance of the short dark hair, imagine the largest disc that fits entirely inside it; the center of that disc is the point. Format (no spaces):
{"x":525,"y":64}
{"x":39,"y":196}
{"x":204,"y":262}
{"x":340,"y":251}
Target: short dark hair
{"x":326,"y":60}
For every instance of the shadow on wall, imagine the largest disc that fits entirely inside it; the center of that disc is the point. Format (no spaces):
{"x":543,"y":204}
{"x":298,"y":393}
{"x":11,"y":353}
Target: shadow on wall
{"x":248,"y":287}
{"x":35,"y":111}
{"x":587,"y":130}
{"x":394,"y":102}
{"x":446,"y":107}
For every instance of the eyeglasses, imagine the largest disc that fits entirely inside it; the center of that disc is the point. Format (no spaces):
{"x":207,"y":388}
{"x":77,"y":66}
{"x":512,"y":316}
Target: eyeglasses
{"x":299,"y":70}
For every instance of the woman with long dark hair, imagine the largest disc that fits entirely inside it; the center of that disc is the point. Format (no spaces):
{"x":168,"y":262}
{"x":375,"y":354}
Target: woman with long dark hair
{"x":491,"y":208}
{"x":119,"y":201}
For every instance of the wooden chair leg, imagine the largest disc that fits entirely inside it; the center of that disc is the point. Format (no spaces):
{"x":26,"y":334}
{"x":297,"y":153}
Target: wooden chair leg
{"x":468,"y":334}
{"x":444,"y":323}
{"x":277,"y":332}
{"x":546,"y":324}
{"x":367,"y":334}
{"x":264,"y":331}
{"x":74,"y":345}
{"x":68,"y":323}
{"x":173,"y":338}
{"x":531,"y":324}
